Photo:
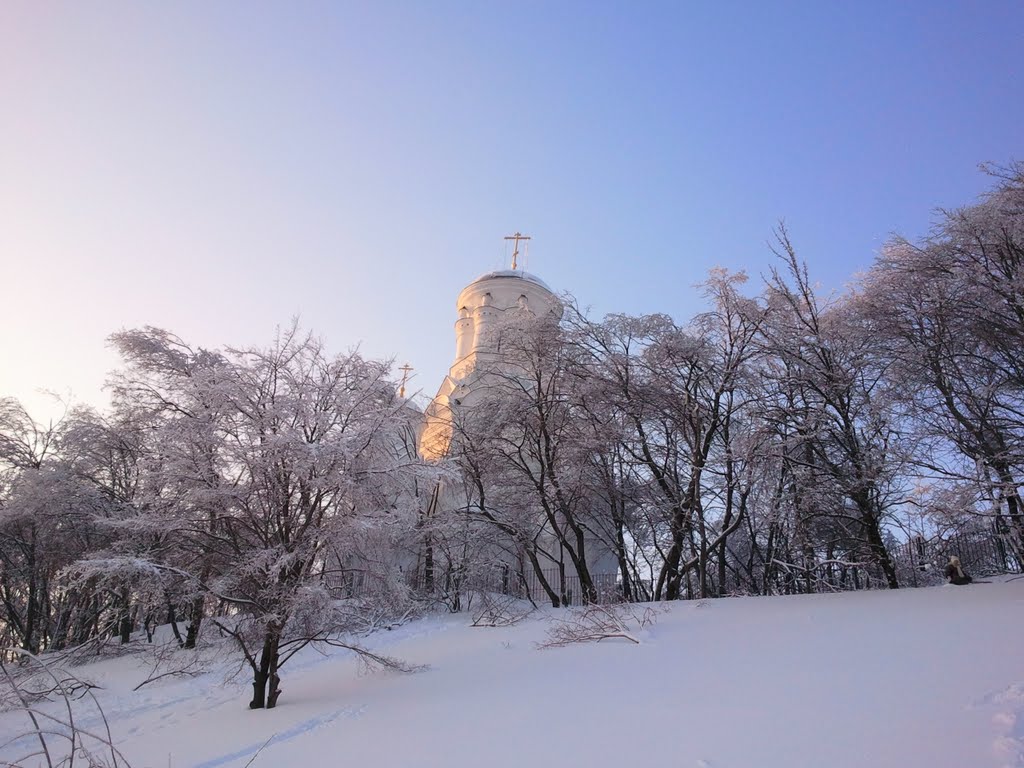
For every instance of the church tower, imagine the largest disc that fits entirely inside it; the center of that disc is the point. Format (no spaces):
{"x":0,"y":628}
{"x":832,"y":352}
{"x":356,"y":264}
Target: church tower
{"x":480,"y":306}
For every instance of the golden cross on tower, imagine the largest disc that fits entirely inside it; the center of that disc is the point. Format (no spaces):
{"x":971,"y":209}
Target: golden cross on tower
{"x":515,"y":248}
{"x":405,"y":369}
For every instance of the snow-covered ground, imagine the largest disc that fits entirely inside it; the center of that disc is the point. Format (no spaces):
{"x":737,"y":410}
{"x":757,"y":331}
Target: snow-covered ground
{"x":927,"y":677}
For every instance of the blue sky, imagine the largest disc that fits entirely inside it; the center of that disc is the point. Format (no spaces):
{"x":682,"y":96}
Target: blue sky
{"x":216,"y":169}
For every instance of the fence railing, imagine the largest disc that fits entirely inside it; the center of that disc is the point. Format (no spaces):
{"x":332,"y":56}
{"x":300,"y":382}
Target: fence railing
{"x":918,"y":562}
{"x":527,"y":584}
{"x":980,"y":553}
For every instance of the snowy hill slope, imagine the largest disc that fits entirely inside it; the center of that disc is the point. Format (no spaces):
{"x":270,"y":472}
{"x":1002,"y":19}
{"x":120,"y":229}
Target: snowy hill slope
{"x":929,"y":677}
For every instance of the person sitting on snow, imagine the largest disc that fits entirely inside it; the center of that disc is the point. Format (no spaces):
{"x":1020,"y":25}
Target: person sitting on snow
{"x":955,"y":572}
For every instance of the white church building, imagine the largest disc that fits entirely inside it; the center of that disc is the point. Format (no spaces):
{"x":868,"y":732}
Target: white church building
{"x":481,"y":307}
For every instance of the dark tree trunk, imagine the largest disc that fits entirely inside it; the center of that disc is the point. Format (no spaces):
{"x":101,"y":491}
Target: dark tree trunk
{"x":545,"y":585}
{"x":428,"y":565}
{"x":588,"y":591}
{"x":265,"y":680}
{"x":873,"y":534}
{"x":702,"y":554}
{"x":670,"y":577}
{"x":1010,"y":493}
{"x":29,"y":639}
{"x":620,"y":556}
{"x":125,"y":619}
{"x":172,"y":619}
{"x":880,"y":554}
{"x":195,"y":622}
{"x":428,"y":554}
{"x":727,"y":520}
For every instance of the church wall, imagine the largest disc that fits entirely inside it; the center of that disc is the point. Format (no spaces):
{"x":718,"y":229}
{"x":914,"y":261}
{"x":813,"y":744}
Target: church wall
{"x":481,"y":303}
{"x":479,"y":308}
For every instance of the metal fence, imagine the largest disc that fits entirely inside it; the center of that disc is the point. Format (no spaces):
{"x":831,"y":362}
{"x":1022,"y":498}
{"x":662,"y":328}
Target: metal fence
{"x":566,"y":585}
{"x":919,"y":562}
{"x":527,"y":584}
{"x":981,"y":553}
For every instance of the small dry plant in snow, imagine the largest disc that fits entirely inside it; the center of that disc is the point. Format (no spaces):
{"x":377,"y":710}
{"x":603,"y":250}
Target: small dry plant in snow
{"x":53,"y":736}
{"x":164,"y":660}
{"x":498,"y":610}
{"x":595,"y":623}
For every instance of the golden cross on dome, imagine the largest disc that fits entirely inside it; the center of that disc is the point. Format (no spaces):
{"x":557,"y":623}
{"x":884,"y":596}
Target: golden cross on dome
{"x":515,"y":247}
{"x":406,"y":370}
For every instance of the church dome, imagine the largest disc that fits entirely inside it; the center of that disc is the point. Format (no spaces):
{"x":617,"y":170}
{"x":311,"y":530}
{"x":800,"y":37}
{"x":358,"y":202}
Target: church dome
{"x":480,"y":307}
{"x":517,"y":274}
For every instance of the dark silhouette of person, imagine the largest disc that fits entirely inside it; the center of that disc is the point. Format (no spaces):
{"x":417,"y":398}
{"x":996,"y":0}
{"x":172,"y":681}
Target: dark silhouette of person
{"x":955,"y":572}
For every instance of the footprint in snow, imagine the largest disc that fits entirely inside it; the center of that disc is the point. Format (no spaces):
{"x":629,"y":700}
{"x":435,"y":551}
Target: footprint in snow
{"x":1007,"y":722}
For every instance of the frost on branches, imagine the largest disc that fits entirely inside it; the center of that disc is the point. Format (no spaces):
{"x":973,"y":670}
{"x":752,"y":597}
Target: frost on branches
{"x":269,"y":468}
{"x":780,"y":442}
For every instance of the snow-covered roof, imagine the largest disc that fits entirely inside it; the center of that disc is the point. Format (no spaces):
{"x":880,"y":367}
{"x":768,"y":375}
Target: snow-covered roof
{"x":514,"y":273}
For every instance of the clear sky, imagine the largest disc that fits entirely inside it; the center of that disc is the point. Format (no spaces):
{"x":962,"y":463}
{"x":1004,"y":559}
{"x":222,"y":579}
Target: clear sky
{"x":217,"y":168}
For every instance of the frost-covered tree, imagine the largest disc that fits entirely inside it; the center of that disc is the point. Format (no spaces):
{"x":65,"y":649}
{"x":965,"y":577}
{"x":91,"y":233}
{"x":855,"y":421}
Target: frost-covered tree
{"x":272,"y":465}
{"x":950,"y":312}
{"x":524,"y":455}
{"x":663,"y":404}
{"x":47,"y":519}
{"x":842,"y":433}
